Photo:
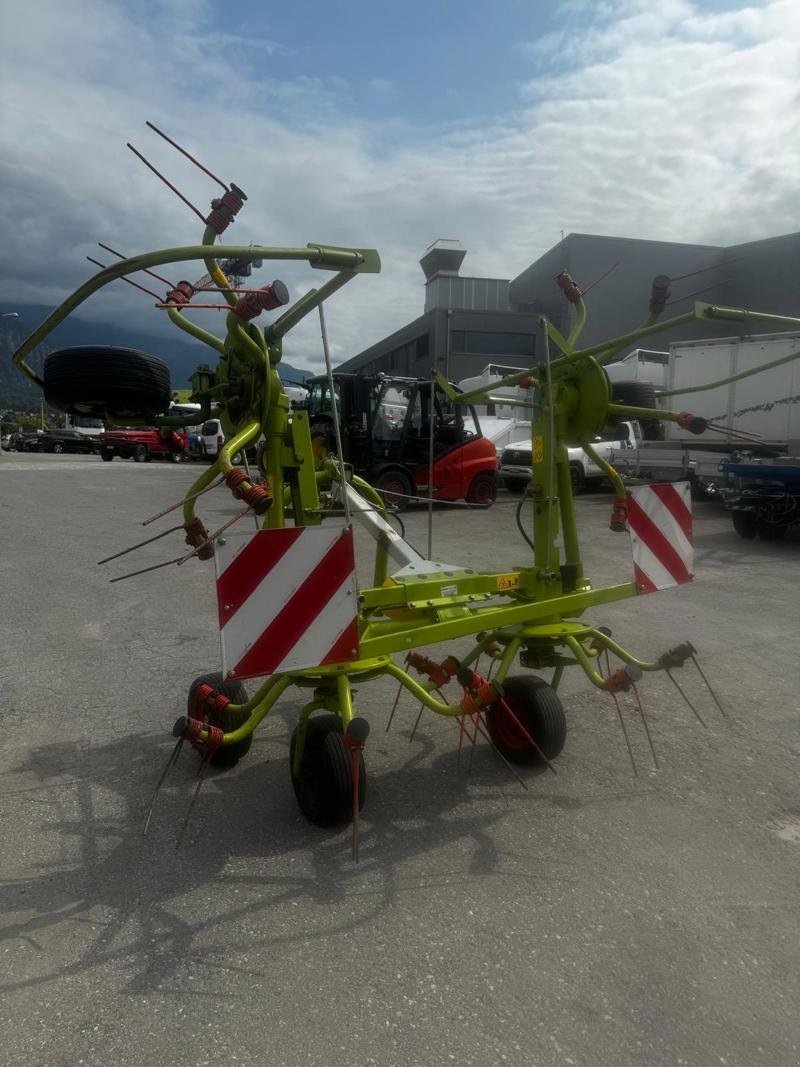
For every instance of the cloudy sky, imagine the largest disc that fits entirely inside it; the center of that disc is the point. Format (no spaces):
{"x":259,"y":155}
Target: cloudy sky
{"x":389,"y":125}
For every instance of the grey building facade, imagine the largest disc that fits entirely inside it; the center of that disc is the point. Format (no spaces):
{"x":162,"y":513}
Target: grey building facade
{"x":469,"y":322}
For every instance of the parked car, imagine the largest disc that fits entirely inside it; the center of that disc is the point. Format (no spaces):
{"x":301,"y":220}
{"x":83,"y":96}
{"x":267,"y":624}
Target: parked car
{"x":66,"y":441}
{"x":24,"y":441}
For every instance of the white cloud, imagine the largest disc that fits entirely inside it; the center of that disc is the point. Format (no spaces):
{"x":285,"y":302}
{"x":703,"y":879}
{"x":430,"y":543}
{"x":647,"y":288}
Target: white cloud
{"x":660,"y":120}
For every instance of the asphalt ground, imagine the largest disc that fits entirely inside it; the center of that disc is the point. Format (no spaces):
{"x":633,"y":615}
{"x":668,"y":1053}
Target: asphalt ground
{"x":593,"y":918}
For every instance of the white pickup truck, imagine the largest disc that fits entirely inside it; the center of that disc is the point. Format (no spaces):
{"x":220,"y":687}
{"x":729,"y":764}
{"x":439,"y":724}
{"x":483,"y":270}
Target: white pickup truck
{"x":515,"y":460}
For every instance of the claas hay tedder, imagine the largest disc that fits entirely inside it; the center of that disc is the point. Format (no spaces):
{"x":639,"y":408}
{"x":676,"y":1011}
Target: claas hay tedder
{"x":291,"y":613}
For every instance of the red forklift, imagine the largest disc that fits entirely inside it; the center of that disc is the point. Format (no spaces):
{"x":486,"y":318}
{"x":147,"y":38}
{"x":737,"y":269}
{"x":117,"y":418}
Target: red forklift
{"x":386,"y":426}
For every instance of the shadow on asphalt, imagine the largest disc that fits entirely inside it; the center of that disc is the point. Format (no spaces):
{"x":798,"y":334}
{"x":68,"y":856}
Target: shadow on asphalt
{"x":150,"y":908}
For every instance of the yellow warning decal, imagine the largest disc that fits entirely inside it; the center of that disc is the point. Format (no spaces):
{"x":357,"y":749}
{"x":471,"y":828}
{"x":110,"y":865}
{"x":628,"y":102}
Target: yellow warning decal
{"x":538,"y":449}
{"x":507,"y":582}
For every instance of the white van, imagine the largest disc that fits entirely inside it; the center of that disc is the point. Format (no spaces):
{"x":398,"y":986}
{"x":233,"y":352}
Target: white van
{"x":211,"y":439}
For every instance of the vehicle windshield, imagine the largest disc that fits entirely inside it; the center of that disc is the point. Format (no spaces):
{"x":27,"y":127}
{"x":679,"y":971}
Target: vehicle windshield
{"x":319,"y":398}
{"x":392,"y":410}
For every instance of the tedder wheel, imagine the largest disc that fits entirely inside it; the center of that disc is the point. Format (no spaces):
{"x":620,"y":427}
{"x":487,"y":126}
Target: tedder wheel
{"x":482,"y":490}
{"x":539,"y":710}
{"x":324,"y":787}
{"x":745,"y":523}
{"x":577,"y":477}
{"x":101,"y":381}
{"x":140,"y":453}
{"x":395,"y":488}
{"x":227,"y":755}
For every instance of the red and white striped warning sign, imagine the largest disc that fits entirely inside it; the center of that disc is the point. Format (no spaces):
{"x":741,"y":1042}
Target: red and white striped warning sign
{"x":660,"y":521}
{"x":287,"y":600}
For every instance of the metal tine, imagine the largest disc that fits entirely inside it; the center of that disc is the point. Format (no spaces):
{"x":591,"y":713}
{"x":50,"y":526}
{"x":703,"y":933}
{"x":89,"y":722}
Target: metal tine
{"x":141,"y":544}
{"x":188,"y":155}
{"x":173,"y":759}
{"x":508,"y":764}
{"x":473,"y":740}
{"x":144,"y":570}
{"x":621,"y":718}
{"x":416,"y":724}
{"x":136,"y":285}
{"x":356,"y":763}
{"x":625,"y":734}
{"x":421,"y":709}
{"x":186,"y":499}
{"x":527,"y":734}
{"x":644,"y":723}
{"x":201,"y":777}
{"x":394,"y":706}
{"x":144,"y":270}
{"x":212,"y":537}
{"x":169,"y":185}
{"x":708,"y":686}
{"x":741,"y":435}
{"x":677,"y":685}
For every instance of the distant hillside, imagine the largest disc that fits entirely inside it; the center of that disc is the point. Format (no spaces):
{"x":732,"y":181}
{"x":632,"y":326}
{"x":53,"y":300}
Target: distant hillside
{"x":17,"y":392}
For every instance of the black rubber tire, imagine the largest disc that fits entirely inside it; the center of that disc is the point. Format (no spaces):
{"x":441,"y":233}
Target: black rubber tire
{"x":228,"y":755}
{"x":106,"y":454}
{"x":577,"y":477}
{"x":538,"y":708}
{"x":745,"y":523}
{"x":392,"y":482}
{"x":640,"y":395}
{"x":637,"y":394}
{"x":58,"y":448}
{"x":96,"y":379}
{"x":140,"y":454}
{"x":515,"y":485}
{"x":176,"y":457}
{"x":482,"y":490}
{"x":768,"y":531}
{"x":324,"y":787}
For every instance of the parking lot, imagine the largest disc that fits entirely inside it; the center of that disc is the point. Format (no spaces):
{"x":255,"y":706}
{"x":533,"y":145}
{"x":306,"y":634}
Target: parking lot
{"x":592,"y":918}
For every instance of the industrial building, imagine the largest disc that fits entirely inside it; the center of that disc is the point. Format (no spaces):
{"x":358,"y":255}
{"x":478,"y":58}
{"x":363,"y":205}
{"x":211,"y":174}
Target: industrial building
{"x":468,"y":323}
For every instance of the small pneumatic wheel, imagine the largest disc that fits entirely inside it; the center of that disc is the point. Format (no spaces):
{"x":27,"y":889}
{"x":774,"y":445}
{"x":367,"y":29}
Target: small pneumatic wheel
{"x":226,"y":755}
{"x":537,"y":709}
{"x":324,"y":784}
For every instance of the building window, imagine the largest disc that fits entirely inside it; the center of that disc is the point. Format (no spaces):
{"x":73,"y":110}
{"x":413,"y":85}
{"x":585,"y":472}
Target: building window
{"x":478,"y":342}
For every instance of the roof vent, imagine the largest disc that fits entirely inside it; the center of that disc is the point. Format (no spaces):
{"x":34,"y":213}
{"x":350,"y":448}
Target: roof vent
{"x":442,"y":257}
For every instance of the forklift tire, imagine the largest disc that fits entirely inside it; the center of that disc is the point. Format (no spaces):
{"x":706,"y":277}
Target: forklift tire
{"x":482,"y":490}
{"x":395,"y":488}
{"x":324,"y":786}
{"x":745,"y":523}
{"x":103,"y":381}
{"x":228,"y":755}
{"x":538,"y":708}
